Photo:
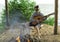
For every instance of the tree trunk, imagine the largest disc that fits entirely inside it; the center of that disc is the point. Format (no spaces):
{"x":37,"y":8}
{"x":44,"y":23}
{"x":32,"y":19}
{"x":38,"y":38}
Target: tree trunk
{"x":7,"y":13}
{"x":56,"y":17}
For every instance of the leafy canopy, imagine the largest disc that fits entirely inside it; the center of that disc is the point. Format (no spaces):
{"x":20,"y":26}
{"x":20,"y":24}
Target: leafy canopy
{"x":26,"y":7}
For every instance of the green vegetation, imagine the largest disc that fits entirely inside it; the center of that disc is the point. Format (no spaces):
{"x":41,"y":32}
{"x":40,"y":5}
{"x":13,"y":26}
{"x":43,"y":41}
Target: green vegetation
{"x":2,"y":27}
{"x":25,"y":7}
{"x":49,"y":21}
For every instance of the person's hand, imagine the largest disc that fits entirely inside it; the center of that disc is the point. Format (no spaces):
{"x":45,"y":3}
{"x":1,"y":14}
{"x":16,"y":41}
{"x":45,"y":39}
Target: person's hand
{"x":34,"y":22}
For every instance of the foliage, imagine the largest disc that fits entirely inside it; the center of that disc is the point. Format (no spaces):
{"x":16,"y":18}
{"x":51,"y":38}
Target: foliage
{"x":21,"y":8}
{"x":24,"y":6}
{"x":49,"y":21}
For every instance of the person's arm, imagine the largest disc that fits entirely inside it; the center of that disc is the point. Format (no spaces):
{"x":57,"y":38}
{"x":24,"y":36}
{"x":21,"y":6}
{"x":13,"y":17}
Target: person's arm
{"x":43,"y":16}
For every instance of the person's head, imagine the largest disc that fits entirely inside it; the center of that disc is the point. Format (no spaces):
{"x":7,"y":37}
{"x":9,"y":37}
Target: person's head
{"x":36,"y":8}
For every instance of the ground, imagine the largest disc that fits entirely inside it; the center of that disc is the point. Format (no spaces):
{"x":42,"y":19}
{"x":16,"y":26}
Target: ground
{"x":46,"y":34}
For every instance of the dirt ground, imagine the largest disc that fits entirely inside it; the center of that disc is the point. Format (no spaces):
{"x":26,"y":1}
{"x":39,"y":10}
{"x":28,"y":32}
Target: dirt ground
{"x":46,"y":34}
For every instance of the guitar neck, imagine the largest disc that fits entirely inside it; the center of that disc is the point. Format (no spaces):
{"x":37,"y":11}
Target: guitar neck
{"x":50,"y":14}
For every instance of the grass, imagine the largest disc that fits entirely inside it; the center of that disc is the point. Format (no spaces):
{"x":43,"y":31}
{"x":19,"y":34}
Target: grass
{"x":46,"y":34}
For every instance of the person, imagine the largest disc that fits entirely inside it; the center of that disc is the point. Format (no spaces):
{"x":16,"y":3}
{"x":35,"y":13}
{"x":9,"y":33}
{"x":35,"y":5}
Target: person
{"x":34,"y":22}
{"x":36,"y":13}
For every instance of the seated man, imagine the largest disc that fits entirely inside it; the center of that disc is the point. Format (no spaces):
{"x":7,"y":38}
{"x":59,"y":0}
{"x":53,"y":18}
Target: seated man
{"x":34,"y":22}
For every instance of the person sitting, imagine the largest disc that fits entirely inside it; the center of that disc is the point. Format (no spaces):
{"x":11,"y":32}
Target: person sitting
{"x":34,"y":22}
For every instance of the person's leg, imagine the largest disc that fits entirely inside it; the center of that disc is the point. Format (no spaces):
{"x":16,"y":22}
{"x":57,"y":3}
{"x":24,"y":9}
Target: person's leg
{"x":38,"y":31}
{"x":39,"y":26}
{"x":35,"y":27}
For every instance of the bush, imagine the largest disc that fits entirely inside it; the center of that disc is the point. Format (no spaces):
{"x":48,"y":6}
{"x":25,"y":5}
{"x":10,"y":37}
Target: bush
{"x":49,"y":21}
{"x":25,"y":7}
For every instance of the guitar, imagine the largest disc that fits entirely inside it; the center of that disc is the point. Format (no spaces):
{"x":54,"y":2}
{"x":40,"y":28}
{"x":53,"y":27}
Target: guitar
{"x":40,"y":19}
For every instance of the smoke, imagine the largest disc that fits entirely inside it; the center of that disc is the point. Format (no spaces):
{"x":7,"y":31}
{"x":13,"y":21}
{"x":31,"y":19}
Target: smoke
{"x":23,"y":27}
{"x":18,"y":24}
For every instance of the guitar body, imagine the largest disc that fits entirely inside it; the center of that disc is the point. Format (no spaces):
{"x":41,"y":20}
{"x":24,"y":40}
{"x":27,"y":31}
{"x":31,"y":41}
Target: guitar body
{"x":39,"y":18}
